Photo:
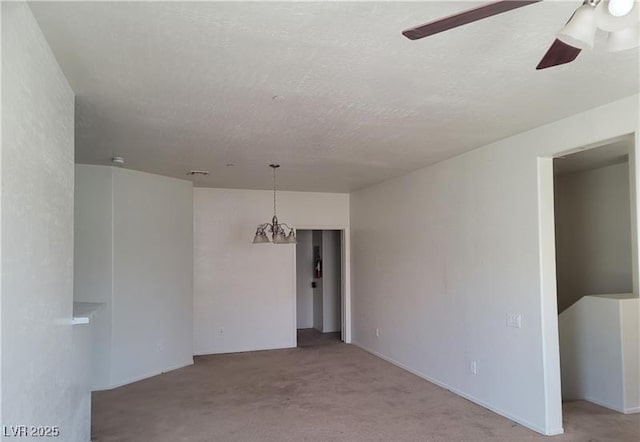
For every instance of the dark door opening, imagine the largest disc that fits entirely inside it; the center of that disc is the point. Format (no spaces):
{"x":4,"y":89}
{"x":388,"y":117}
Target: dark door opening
{"x":318,"y":287}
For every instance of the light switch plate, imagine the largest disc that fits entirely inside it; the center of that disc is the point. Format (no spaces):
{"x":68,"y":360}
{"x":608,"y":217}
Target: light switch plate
{"x":514,"y":320}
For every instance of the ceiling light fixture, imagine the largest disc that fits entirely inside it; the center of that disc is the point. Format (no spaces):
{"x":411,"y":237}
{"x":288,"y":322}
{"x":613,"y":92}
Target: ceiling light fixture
{"x":623,"y":39}
{"x":580,"y":30}
{"x":618,"y":17}
{"x":118,"y":161}
{"x":577,"y":34}
{"x":618,"y":8}
{"x":277,"y":230}
{"x":610,"y":23}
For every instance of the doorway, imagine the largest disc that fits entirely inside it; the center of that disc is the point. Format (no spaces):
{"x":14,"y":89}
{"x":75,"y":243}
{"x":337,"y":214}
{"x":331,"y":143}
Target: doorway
{"x":319,"y":287}
{"x":597,"y":307}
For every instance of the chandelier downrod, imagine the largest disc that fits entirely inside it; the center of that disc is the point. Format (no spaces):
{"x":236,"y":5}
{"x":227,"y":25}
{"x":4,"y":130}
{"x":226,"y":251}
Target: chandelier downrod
{"x":273,"y":168}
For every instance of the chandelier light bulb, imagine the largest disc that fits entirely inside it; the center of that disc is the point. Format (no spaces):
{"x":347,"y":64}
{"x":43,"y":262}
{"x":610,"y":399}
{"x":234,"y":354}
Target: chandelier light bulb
{"x":618,"y":8}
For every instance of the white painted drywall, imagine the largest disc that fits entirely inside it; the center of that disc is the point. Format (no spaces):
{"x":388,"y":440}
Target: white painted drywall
{"x":331,"y":282}
{"x":591,"y":352}
{"x":152,"y":274}
{"x":634,"y":185}
{"x":93,"y":261}
{"x":593,"y":233}
{"x":135,"y":240}
{"x":44,"y":378}
{"x":304,"y":277}
{"x":440,"y":257}
{"x":630,"y":327}
{"x":248,"y":290}
{"x":599,"y":342}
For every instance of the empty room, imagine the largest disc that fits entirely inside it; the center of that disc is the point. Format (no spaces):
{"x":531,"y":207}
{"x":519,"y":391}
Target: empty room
{"x":320,"y":221}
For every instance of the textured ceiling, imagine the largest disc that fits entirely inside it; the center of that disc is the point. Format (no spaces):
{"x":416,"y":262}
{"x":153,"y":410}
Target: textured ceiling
{"x":173,"y":86}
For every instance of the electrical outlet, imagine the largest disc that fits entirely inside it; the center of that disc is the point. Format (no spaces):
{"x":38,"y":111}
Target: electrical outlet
{"x":473,"y":367}
{"x":514,"y":320}
{"x":221,"y":330}
{"x":159,"y":346}
{"x":377,"y":332}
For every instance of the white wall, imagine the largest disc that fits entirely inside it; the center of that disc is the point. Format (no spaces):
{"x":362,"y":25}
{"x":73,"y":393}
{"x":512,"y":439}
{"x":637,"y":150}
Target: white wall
{"x":442,"y":255}
{"x":246,"y":289}
{"x":599,"y":351}
{"x":43,"y":378}
{"x":152,"y":274}
{"x":304,"y":277}
{"x":93,"y":261}
{"x":593,"y":233}
{"x":135,"y":253}
{"x":591,"y":352}
{"x":630,"y":337}
{"x":331,"y":282}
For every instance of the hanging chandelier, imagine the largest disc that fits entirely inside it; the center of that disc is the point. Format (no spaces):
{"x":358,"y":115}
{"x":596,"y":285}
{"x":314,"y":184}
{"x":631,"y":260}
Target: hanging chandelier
{"x":280,"y":232}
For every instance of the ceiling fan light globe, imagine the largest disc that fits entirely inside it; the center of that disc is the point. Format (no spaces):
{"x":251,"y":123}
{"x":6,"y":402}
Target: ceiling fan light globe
{"x":624,"y":39}
{"x":580,"y":30}
{"x":608,"y":22}
{"x":618,"y":8}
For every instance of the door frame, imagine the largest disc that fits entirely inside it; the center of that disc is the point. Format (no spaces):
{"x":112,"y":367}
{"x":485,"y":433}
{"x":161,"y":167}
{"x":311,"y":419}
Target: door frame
{"x":548,"y":279}
{"x":345,"y":277}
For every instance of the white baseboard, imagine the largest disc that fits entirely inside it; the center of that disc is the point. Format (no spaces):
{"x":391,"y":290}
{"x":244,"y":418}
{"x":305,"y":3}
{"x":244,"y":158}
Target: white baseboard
{"x":556,"y":432}
{"x":176,"y":367}
{"x":145,"y":376}
{"x":629,"y":410}
{"x":473,"y":399}
{"x":605,"y":404}
{"x":243,"y":350}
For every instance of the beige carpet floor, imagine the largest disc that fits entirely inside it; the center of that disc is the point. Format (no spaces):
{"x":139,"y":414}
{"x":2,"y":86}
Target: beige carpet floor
{"x":309,"y":337}
{"x":318,"y":393}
